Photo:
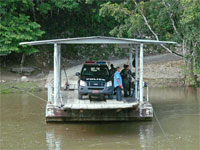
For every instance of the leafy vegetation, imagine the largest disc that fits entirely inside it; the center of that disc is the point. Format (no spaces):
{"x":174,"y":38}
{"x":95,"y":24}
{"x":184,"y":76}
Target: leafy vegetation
{"x":161,"y":20}
{"x":18,"y":87}
{"x":16,"y":26}
{"x":27,"y":20}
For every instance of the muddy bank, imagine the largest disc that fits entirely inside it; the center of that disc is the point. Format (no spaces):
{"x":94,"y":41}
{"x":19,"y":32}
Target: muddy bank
{"x":165,"y":74}
{"x":17,"y":83}
{"x":164,"y":70}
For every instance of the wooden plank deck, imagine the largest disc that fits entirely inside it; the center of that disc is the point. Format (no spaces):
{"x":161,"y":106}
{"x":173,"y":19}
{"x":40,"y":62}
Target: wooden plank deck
{"x":71,"y":101}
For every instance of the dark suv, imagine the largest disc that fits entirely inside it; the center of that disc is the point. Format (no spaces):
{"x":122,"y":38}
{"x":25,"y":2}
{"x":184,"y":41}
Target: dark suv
{"x":95,"y":79}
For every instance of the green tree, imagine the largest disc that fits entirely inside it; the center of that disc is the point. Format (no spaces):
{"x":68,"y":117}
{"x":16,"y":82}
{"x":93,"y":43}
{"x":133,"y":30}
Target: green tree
{"x":190,"y":31}
{"x":161,"y":20}
{"x":27,"y":20}
{"x":80,"y":19}
{"x":16,"y":26}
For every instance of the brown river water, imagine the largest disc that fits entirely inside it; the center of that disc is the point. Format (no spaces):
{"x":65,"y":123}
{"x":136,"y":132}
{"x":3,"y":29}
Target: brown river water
{"x":23,"y":126}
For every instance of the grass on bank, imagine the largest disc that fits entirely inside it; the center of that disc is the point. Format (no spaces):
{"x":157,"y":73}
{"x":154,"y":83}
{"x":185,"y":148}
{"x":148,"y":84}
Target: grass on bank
{"x":18,"y":87}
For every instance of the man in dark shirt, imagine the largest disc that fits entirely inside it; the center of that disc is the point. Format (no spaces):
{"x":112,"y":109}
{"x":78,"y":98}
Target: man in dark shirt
{"x":127,"y":80}
{"x":112,"y":69}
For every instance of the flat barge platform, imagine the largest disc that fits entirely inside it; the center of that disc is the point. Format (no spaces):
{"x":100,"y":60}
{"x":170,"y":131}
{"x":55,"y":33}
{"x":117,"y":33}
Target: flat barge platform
{"x":65,"y":105}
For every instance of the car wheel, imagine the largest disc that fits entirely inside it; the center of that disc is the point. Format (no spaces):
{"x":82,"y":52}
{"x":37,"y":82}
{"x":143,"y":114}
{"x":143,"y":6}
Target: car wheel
{"x":110,"y":96}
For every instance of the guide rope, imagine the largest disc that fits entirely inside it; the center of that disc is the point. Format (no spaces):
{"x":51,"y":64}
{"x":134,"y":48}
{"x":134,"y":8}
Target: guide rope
{"x":65,"y":74}
{"x":30,"y":93}
{"x":67,"y":81}
{"x":36,"y":96}
{"x":163,"y":131}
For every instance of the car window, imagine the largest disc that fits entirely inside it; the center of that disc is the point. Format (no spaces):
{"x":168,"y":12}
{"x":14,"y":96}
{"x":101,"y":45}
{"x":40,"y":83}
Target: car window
{"x":95,"y":71}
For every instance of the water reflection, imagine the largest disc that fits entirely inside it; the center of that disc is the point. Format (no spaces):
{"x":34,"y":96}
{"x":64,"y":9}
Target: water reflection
{"x":53,"y":141}
{"x":100,"y":135}
{"x":146,"y":136}
{"x":23,"y":125}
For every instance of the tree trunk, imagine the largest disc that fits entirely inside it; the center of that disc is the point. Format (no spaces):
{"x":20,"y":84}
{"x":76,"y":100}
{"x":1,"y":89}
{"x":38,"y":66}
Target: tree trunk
{"x":189,"y":73}
{"x":190,"y":77}
{"x":4,"y":61}
{"x":22,"y":61}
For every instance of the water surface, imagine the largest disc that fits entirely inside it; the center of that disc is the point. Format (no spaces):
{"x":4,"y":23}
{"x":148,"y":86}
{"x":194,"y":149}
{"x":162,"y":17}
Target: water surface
{"x":23,"y":125}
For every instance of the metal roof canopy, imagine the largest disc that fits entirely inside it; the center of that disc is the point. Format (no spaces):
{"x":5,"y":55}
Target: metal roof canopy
{"x":124,"y":42}
{"x":96,"y":40}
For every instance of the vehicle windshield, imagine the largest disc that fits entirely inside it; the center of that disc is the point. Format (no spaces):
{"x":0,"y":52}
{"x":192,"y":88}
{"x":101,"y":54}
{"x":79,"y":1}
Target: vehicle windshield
{"x":95,"y":71}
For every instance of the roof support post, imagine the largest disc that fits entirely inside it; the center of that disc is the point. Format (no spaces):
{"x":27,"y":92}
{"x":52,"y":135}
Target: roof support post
{"x":56,"y":73}
{"x":141,"y":73}
{"x":130,"y":57}
{"x":59,"y":65}
{"x":136,"y":72}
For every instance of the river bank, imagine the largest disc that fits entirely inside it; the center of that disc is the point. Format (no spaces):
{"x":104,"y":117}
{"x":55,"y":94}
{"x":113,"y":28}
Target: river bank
{"x":164,"y":70}
{"x":17,"y":83}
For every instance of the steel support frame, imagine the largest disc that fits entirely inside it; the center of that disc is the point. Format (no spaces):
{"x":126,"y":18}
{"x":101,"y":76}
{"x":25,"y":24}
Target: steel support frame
{"x":131,"y":57}
{"x":141,"y":72}
{"x":57,"y":72}
{"x":136,"y":72}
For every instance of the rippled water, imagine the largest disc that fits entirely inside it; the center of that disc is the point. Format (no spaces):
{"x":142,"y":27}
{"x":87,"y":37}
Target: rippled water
{"x":23,"y":125}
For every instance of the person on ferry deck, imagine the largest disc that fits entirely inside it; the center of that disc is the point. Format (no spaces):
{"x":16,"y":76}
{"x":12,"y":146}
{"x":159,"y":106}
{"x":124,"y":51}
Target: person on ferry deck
{"x":118,"y":84}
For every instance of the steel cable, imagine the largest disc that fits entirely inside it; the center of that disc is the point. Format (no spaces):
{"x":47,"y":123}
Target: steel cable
{"x":30,"y":93}
{"x":164,"y":133}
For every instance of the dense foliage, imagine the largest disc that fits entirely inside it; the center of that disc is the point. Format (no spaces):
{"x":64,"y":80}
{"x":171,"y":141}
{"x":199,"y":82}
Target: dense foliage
{"x":26,"y":20}
{"x":161,"y":20}
{"x":16,"y":26}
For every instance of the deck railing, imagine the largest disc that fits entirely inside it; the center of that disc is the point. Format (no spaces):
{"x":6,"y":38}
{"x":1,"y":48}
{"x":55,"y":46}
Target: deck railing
{"x":145,"y":85}
{"x":50,"y":92}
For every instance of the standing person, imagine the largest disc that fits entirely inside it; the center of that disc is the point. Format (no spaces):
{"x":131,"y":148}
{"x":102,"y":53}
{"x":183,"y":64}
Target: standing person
{"x":130,"y":83}
{"x":123,"y":75}
{"x":133,"y":62}
{"x":118,"y":84}
{"x":122,"y":72}
{"x":127,"y":74}
{"x":112,"y":69}
{"x":112,"y":72}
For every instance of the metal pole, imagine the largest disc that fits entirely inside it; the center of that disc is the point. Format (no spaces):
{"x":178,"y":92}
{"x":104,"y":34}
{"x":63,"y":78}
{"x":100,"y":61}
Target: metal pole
{"x":56,"y":73}
{"x":59,"y":65}
{"x":147,"y":93}
{"x":136,"y":72}
{"x":130,"y":57}
{"x":50,"y":93}
{"x":141,"y":72}
{"x":59,"y":69}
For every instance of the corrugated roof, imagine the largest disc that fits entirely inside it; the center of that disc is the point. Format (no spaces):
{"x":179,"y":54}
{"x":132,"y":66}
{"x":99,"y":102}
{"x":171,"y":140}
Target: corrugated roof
{"x":97,"y":40}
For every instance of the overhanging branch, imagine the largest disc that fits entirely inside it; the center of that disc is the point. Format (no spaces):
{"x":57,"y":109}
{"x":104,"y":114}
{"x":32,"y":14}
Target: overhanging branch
{"x":154,"y":33}
{"x":167,"y":5}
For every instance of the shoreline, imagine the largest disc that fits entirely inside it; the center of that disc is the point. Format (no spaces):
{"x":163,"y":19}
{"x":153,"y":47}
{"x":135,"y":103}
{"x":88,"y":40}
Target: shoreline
{"x":159,"y":71}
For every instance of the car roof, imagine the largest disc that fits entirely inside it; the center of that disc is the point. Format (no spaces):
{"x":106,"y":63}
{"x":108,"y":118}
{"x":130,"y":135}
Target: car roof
{"x":95,"y":64}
